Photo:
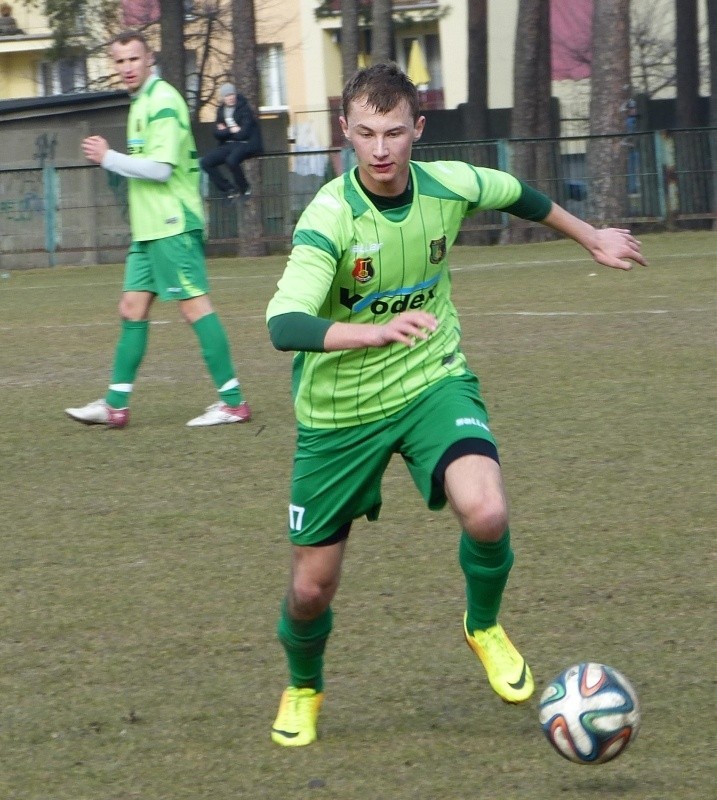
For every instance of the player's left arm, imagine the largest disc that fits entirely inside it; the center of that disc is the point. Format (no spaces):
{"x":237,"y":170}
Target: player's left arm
{"x":163,"y":136}
{"x":612,"y":247}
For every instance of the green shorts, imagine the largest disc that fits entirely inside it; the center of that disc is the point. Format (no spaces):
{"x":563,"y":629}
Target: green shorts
{"x":173,"y":268}
{"x":337,"y":472}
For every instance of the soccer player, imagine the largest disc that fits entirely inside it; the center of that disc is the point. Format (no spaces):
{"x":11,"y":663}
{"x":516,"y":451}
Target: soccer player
{"x":166,"y":257}
{"x":365,"y":300}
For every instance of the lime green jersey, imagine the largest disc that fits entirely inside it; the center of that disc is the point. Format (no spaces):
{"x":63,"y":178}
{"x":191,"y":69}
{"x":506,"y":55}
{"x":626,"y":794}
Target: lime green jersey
{"x":352,"y":263}
{"x":158,"y":128}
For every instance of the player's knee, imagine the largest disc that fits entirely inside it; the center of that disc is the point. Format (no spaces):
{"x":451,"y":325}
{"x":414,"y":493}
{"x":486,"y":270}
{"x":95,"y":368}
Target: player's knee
{"x":130,"y":310}
{"x":310,"y":598}
{"x":485,"y":519}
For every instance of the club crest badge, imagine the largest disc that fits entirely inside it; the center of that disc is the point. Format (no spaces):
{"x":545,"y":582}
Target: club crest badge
{"x":438,"y":250}
{"x":363,"y":269}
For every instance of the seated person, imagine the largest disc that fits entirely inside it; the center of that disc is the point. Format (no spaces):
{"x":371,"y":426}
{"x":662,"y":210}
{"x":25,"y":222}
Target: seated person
{"x":239,"y":137}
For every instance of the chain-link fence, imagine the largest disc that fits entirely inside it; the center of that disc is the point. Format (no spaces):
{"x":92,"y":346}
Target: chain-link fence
{"x":78,"y":214}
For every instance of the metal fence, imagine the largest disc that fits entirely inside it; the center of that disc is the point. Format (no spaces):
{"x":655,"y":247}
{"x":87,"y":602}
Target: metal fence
{"x":78,"y":214}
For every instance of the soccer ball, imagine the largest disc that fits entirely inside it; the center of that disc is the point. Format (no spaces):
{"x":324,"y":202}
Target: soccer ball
{"x":590,"y":713}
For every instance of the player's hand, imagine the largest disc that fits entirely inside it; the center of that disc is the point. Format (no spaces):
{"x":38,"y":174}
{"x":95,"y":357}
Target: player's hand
{"x":617,"y":248}
{"x":95,"y":148}
{"x":406,"y":328}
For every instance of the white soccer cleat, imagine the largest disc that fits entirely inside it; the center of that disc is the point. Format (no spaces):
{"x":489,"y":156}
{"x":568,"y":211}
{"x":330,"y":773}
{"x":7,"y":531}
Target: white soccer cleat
{"x":221,"y":414}
{"x":99,"y":413}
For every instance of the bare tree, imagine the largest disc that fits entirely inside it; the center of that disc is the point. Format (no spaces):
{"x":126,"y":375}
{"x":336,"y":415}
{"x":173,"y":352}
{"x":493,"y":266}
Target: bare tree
{"x":73,"y":23}
{"x":606,"y":157}
{"x":382,"y":31}
{"x":652,"y":46}
{"x":172,"y":55}
{"x":687,"y":49}
{"x":652,"y":49}
{"x":349,"y":37}
{"x":210,"y":38}
{"x":247,"y":76}
{"x":531,"y":104}
{"x":476,"y":109}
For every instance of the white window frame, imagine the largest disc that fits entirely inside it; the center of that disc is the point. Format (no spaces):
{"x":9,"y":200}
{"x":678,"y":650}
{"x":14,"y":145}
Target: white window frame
{"x":49,"y":76}
{"x":272,"y":76}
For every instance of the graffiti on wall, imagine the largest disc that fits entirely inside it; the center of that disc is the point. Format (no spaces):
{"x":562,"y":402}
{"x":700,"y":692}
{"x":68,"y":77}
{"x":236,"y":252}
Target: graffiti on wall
{"x":45,"y":147}
{"x":22,"y":193}
{"x":21,"y":197}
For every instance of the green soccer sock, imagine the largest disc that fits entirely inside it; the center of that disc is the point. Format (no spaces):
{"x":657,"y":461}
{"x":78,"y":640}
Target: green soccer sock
{"x":304,"y":644}
{"x":129,"y":353}
{"x":215,"y":352}
{"x":486,"y":566}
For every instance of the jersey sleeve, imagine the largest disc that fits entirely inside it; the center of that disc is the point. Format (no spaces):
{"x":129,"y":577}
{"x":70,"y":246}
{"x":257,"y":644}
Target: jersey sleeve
{"x":501,"y":191}
{"x":164,"y":128}
{"x":319,"y":240}
{"x":496,"y":189}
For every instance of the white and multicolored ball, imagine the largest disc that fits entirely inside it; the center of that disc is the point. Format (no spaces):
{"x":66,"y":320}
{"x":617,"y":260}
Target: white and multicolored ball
{"x":590,"y":713}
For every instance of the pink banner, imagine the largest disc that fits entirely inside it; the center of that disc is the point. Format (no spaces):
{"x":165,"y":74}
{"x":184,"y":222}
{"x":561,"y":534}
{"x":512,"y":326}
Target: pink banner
{"x":139,"y":12}
{"x":571,"y":33}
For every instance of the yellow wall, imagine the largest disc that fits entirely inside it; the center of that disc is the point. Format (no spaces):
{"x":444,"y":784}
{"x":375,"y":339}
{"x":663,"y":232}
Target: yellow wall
{"x":17,"y":75}
{"x":20,"y":57}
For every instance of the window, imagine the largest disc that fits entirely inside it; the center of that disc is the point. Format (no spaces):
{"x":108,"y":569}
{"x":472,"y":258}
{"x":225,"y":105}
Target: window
{"x":430,"y":48}
{"x":63,"y":76}
{"x":272,"y":80}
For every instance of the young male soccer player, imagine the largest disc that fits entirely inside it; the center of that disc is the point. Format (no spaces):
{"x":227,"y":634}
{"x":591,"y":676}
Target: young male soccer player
{"x":365,"y":299}
{"x":166,"y":258}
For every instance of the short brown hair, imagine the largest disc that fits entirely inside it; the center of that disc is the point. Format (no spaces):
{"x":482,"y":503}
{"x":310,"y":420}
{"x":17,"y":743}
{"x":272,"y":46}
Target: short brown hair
{"x":131,"y":36}
{"x":384,"y":86}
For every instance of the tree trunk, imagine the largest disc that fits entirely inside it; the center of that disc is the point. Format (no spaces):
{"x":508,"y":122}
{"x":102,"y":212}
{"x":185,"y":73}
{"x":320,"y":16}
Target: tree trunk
{"x":532,"y":161}
{"x":687,"y":50}
{"x":607,"y":158}
{"x":712,"y":40}
{"x":476,"y":110}
{"x":349,"y":38}
{"x":382,"y":31}
{"x":247,"y":78}
{"x":172,"y":57}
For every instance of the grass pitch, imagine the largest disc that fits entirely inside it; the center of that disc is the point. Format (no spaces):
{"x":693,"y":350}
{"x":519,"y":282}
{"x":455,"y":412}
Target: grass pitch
{"x":142,"y":569}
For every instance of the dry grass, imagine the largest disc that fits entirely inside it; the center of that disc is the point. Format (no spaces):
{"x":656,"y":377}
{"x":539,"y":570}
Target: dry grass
{"x":142,"y":569}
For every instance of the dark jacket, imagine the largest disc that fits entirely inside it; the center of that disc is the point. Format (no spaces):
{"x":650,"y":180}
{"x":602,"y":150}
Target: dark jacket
{"x":244,"y":117}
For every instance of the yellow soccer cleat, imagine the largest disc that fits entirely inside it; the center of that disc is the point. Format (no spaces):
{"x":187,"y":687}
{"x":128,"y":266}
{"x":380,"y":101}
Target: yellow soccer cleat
{"x":508,"y":673}
{"x":295,"y":723}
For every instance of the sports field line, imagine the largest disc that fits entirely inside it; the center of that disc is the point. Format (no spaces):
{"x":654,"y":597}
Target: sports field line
{"x":273,"y":277}
{"x":515,"y":313}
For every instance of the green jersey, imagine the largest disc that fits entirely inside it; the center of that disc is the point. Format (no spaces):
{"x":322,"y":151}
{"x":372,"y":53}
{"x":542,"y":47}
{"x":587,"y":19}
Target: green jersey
{"x":158,"y":128}
{"x":352,"y":263}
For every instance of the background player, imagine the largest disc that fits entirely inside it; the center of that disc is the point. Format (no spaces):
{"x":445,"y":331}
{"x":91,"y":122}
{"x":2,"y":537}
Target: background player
{"x":166,"y":258}
{"x":365,"y":299}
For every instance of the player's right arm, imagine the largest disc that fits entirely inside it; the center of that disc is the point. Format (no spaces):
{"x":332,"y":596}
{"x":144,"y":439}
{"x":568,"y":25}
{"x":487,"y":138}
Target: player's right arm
{"x":404,"y":328}
{"x":97,"y":150}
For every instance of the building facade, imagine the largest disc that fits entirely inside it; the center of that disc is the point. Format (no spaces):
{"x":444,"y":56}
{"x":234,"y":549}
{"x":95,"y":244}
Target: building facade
{"x":299,"y":52}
